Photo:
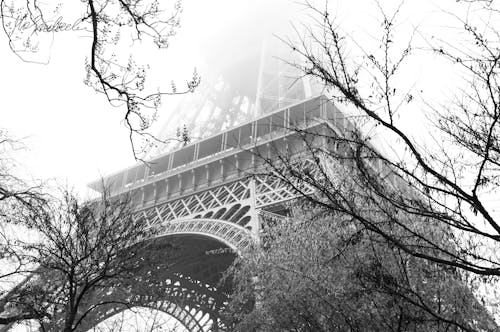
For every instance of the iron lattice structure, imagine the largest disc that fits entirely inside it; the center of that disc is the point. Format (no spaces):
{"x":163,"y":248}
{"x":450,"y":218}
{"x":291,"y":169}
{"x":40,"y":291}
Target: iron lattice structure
{"x":184,"y":284}
{"x":221,"y":188}
{"x":212,"y":199}
{"x":214,"y":195}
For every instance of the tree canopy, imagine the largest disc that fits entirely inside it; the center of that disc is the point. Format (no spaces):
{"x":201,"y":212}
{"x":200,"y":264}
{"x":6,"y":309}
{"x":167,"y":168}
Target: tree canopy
{"x":63,"y":253}
{"x":319,"y":271}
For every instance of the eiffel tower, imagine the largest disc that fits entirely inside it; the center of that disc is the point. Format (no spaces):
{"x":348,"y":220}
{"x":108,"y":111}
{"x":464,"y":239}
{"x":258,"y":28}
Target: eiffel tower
{"x":208,"y":199}
{"x":205,"y":196}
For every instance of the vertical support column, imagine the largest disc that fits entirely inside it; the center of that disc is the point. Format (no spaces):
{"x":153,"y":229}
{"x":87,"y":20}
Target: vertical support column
{"x":253,"y":152}
{"x":170,"y":160}
{"x":196,"y":151}
{"x":254,"y":132}
{"x":239,"y":137}
{"x":223,"y":144}
{"x":166,"y":189}
{"x":221,"y":163}
{"x":143,"y":196}
{"x":237,"y":164}
{"x":207,"y":170}
{"x":179,"y":177}
{"x":287,"y":148}
{"x":155,"y":198}
{"x":193,"y":177}
{"x":255,"y":220}
{"x":256,"y":230}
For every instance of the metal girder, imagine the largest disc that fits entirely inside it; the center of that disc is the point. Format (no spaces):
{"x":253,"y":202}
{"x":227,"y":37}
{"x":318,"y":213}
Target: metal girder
{"x":194,"y":304}
{"x":198,"y":203}
{"x":235,"y":236}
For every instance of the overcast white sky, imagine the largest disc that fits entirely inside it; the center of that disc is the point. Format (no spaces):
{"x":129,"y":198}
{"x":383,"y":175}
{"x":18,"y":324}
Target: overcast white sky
{"x":71,"y":132}
{"x":74,"y":135}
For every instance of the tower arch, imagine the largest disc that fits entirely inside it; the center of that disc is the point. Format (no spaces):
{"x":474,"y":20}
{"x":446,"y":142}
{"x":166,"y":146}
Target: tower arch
{"x":236,"y":237}
{"x":178,"y":274}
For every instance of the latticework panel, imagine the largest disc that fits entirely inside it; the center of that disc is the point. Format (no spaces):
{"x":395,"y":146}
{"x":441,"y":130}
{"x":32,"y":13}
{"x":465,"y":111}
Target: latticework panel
{"x":197,"y":203}
{"x":271,"y":190}
{"x":193,"y":319}
{"x":229,"y":233}
{"x":223,"y":212}
{"x":194,"y":304}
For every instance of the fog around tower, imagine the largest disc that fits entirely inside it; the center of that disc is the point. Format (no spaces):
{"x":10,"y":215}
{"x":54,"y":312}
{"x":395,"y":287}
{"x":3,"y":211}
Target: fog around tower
{"x":241,"y":57}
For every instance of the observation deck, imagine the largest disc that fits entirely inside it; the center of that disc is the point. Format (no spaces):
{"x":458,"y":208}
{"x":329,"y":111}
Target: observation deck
{"x":225,"y":157}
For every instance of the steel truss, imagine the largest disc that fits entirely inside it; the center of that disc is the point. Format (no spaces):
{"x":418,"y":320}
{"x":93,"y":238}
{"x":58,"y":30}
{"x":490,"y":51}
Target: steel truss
{"x":236,"y":237}
{"x":228,"y":213}
{"x":194,"y":304}
{"x":199,"y":203}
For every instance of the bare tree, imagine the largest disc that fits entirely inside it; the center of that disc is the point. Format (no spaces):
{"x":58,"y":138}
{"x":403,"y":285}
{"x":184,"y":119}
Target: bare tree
{"x":76,"y":250}
{"x":13,"y":189}
{"x":16,"y":196}
{"x":441,"y":183}
{"x":112,"y":69}
{"x":320,"y":271}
